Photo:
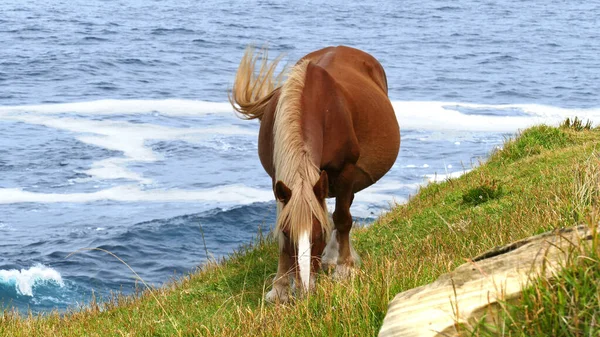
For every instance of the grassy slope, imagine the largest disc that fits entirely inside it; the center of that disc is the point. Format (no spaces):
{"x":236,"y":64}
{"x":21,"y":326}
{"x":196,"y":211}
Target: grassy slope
{"x":533,"y":185}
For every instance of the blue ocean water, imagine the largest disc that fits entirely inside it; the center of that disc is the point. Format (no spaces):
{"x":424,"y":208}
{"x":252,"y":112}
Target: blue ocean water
{"x":115,"y":131}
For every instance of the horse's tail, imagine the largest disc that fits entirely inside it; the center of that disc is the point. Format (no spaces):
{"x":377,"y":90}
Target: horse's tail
{"x":251,"y":92}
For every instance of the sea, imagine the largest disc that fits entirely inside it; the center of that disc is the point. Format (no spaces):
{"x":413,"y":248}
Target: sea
{"x":116,"y":134}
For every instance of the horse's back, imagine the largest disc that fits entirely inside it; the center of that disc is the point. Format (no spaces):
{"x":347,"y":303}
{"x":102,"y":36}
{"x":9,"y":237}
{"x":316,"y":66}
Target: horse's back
{"x":346,"y":63}
{"x":364,"y":86}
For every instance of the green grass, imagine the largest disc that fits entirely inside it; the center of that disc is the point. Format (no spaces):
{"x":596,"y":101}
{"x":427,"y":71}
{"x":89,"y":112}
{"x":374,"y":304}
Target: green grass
{"x":487,"y":191}
{"x":541,"y":181}
{"x":535,"y":140}
{"x":576,"y":124}
{"x":567,"y":305}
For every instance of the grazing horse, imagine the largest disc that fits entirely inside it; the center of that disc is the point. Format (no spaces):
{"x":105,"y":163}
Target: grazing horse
{"x":329,"y":130}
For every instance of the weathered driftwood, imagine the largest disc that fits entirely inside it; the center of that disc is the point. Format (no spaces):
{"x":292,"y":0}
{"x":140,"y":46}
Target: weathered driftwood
{"x":474,"y":288}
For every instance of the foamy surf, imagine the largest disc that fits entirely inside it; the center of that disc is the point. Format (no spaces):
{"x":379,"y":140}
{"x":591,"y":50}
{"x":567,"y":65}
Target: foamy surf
{"x":129,"y":138}
{"x":235,"y":194}
{"x":421,"y":115}
{"x":436,"y":178}
{"x":167,"y":107}
{"x":126,"y":137}
{"x":447,"y":116}
{"x":25,"y":280}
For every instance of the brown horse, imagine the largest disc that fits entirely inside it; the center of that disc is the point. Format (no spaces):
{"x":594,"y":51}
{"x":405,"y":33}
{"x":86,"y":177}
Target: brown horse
{"x":328,"y":131}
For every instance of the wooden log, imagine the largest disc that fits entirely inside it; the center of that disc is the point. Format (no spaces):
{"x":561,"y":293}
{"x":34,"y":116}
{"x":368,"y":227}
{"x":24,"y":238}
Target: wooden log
{"x":474,"y":288}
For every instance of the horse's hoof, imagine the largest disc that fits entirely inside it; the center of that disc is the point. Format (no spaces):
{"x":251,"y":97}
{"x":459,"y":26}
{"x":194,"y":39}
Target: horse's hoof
{"x":298,"y":290}
{"x":277,"y":295}
{"x":328,"y":264}
{"x":343,"y":272}
{"x":330,"y":253}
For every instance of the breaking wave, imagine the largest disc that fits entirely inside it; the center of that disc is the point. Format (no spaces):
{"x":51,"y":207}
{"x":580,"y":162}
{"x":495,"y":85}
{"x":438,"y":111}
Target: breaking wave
{"x":25,"y":281}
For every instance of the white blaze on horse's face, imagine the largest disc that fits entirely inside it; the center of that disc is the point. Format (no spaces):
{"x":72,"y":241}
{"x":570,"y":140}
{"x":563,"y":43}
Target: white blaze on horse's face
{"x":304,"y":259}
{"x":302,"y":238}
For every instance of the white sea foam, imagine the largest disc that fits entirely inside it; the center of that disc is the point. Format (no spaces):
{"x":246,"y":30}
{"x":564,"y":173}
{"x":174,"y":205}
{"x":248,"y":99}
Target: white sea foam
{"x":25,"y":280}
{"x":168,"y":107}
{"x":228,"y":194}
{"x":113,"y":168}
{"x":434,"y":178}
{"x":128,"y":138}
{"x":421,"y":115}
{"x":444,"y":116}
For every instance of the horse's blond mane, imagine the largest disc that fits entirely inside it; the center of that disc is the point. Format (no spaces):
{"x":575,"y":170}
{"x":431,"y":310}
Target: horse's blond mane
{"x":292,"y":161}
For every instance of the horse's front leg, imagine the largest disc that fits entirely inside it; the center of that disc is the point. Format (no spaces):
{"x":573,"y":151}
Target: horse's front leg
{"x":281,"y":284}
{"x":339,"y":243}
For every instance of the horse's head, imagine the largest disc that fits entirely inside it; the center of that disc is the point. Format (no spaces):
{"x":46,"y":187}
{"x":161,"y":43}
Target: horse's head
{"x":303,"y":226}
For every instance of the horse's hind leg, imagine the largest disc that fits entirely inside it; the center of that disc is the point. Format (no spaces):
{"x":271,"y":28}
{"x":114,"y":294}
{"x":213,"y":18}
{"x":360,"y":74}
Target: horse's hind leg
{"x":281,"y":283}
{"x":342,"y":219}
